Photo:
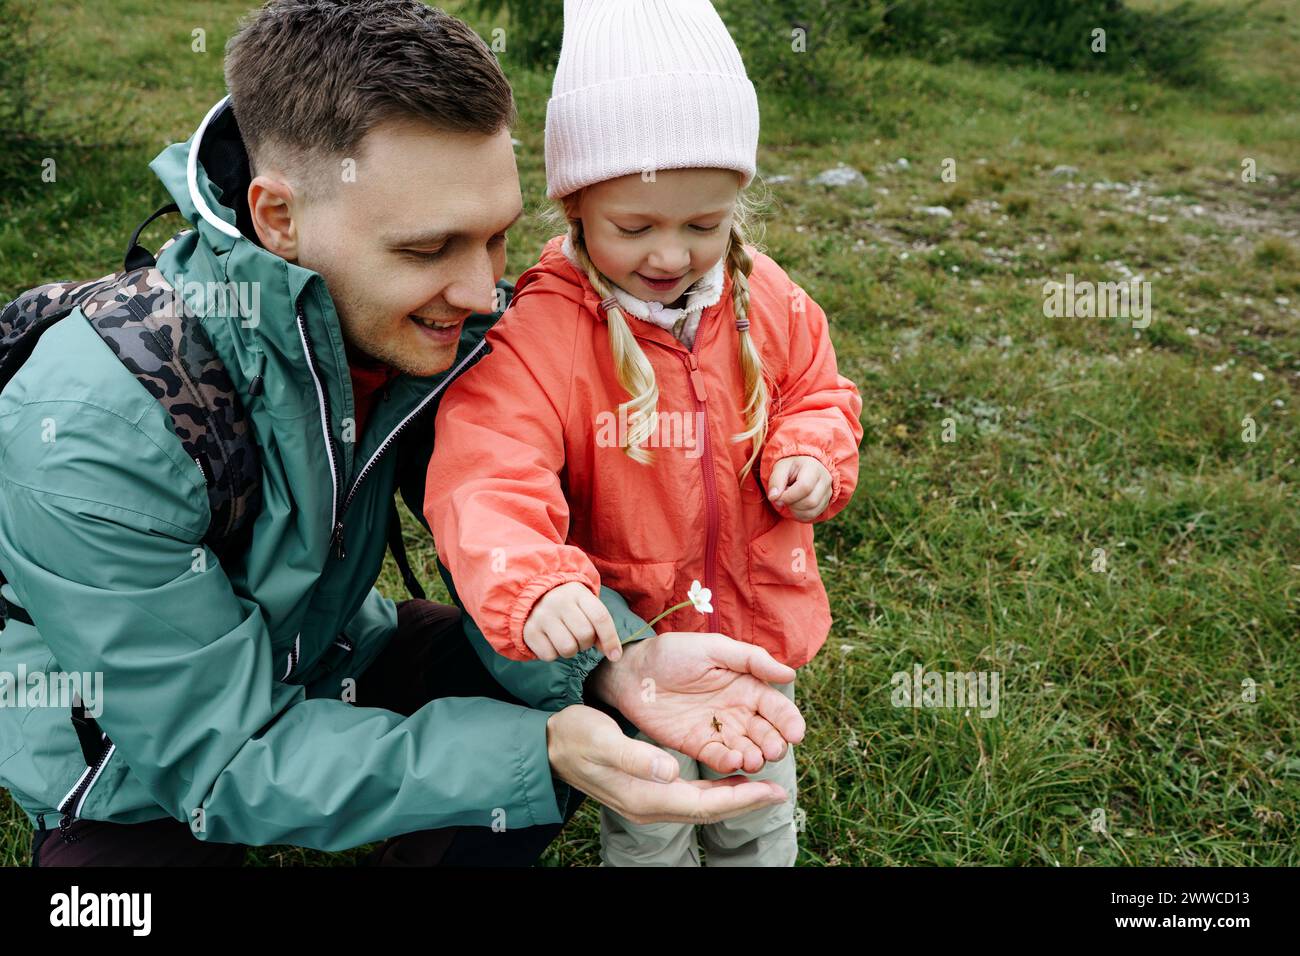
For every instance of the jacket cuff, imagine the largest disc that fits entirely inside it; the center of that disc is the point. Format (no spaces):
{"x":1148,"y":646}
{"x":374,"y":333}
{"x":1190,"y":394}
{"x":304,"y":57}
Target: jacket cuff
{"x":544,"y":794}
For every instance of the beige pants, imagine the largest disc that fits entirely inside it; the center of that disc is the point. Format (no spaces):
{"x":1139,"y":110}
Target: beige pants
{"x":765,"y":837}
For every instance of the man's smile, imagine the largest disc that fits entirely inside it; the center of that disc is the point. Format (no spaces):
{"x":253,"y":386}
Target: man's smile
{"x":442,"y":333}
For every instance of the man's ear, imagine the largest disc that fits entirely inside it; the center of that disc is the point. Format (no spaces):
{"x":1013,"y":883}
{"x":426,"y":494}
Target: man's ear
{"x":272,"y":208}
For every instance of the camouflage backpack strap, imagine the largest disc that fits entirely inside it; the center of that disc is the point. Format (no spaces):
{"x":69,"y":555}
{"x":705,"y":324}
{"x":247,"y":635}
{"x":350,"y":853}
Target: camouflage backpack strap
{"x":164,"y":345}
{"x":139,"y":317}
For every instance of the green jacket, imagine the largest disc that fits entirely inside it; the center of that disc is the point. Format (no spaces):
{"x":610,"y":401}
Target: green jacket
{"x":224,"y":686}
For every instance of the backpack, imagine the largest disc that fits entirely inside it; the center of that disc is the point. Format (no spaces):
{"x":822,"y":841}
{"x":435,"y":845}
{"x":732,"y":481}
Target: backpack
{"x":140,"y":317}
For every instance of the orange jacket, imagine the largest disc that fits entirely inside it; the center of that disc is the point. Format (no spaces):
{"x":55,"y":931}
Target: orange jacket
{"x":530,"y":488}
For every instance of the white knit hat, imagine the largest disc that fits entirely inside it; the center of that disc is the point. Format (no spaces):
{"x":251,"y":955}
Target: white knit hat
{"x":644,"y":85}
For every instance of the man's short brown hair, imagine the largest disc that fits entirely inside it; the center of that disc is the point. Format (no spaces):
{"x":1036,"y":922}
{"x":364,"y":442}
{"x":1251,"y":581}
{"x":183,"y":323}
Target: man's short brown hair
{"x":309,"y":78}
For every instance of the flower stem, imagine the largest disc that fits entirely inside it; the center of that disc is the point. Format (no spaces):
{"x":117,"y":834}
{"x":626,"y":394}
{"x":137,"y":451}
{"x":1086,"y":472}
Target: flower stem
{"x":676,"y":607}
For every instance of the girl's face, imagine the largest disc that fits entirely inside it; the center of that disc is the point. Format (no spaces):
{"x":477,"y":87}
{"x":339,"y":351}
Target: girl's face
{"x":674,"y":228}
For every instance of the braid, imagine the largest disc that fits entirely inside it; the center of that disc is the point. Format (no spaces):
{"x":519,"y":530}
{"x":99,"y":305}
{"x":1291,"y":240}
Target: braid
{"x":740,"y":265}
{"x":634,"y":371}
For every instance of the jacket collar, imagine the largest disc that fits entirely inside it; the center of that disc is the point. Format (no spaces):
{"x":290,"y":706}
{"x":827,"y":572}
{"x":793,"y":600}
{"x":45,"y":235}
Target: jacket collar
{"x":556,"y":274}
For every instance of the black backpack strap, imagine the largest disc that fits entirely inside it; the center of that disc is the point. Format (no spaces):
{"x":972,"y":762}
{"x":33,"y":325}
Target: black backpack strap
{"x":138,"y":257}
{"x":10,"y":611}
{"x":89,"y":736}
{"x":398,"y":547}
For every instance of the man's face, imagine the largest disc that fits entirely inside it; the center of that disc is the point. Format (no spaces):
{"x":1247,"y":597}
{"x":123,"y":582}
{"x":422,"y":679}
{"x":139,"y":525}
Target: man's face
{"x":417,"y":239}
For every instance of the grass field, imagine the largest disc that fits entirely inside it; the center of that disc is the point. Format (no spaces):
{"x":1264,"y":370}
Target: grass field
{"x":1067,"y":502}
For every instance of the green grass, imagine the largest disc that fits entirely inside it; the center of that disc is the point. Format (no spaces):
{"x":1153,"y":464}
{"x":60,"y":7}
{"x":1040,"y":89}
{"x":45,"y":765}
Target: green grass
{"x":1122,"y":688}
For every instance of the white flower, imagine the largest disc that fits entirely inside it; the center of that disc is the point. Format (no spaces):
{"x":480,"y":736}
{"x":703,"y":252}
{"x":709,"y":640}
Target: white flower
{"x":700,"y":597}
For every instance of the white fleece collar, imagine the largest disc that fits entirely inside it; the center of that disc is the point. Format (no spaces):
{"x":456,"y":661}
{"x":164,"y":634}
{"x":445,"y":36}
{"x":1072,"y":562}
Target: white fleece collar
{"x":703,"y":293}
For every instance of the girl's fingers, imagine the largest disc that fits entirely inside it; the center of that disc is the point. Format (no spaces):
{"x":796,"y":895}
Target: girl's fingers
{"x":805,"y":486}
{"x":816,"y":500}
{"x":600,"y":620}
{"x":576,"y":623}
{"x":541,"y":646}
{"x":561,"y":639}
{"x":781,"y":474}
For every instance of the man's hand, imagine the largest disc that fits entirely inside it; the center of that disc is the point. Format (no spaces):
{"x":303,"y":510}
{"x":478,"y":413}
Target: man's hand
{"x":638,"y":780}
{"x":567,"y":620}
{"x":706,"y":696}
{"x":802,"y":484}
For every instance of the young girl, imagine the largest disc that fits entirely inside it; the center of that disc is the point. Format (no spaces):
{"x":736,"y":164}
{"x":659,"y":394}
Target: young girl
{"x":661,"y":404}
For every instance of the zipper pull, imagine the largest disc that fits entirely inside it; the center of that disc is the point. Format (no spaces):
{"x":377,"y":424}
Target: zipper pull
{"x":65,"y":828}
{"x":337,"y":537}
{"x":697,"y":379}
{"x":259,"y":367}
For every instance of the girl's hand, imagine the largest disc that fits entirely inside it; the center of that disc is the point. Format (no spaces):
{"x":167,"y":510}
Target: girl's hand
{"x":567,"y":620}
{"x":802,"y":484}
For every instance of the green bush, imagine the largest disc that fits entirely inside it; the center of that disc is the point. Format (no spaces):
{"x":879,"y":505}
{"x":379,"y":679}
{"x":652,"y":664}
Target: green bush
{"x":810,"y":47}
{"x":534,"y":28}
{"x":814,"y":46}
{"x":818,"y":59}
{"x":1171,"y":44}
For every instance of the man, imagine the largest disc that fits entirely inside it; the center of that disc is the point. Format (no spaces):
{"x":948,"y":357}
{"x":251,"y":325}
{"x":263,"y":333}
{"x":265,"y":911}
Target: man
{"x":356,"y":188}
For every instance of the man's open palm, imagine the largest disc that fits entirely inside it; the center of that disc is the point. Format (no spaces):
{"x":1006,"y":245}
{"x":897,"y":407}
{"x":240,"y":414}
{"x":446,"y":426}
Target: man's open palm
{"x":707,"y":696}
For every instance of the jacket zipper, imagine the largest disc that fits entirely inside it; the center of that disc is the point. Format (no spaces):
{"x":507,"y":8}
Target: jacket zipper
{"x":323,"y":398}
{"x":691,"y":361}
{"x":710,"y":479}
{"x":73,"y":802}
{"x":387,"y":443}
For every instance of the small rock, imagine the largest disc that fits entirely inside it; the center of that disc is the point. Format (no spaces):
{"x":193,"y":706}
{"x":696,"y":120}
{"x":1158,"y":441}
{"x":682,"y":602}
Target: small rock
{"x":777,"y":180}
{"x":1065,"y":171}
{"x":942,"y":211}
{"x":840,"y":176}
{"x":903,"y":163}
